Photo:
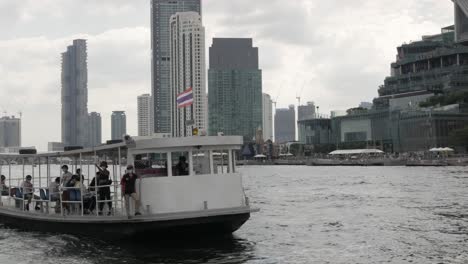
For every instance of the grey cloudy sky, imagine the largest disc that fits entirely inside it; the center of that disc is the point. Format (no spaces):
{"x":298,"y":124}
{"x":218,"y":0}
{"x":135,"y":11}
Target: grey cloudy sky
{"x":336,"y":51}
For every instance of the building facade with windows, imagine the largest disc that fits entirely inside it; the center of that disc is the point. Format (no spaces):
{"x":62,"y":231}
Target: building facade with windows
{"x":285,"y":125}
{"x":235,"y":88}
{"x":144,"y":116}
{"x":161,"y":12}
{"x":10,"y":132}
{"x":118,"y":125}
{"x":267,"y":120}
{"x":95,"y":129}
{"x":75,"y":94}
{"x":187,"y":71}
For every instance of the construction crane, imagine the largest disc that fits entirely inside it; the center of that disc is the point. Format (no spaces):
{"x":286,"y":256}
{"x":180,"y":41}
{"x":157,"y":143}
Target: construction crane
{"x":298,"y":96}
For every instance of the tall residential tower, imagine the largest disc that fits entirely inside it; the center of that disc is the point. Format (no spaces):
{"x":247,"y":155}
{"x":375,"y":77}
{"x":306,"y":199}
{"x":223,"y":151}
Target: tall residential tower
{"x":161,"y":12}
{"x":145,"y":118}
{"x":235,"y":88}
{"x":95,"y":129}
{"x":75,"y":95}
{"x":187,"y":72}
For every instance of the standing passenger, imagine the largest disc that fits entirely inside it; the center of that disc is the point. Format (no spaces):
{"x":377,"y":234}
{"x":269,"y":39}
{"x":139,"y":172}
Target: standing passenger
{"x":102,"y":178}
{"x":129,"y":190}
{"x":66,"y":177}
{"x":4,"y":187}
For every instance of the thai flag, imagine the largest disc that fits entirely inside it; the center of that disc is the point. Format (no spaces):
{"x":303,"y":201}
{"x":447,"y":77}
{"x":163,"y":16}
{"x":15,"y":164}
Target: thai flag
{"x":185,"y":98}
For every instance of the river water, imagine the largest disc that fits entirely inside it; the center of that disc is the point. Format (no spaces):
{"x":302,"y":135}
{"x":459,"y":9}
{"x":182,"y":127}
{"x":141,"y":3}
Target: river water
{"x":308,"y":215}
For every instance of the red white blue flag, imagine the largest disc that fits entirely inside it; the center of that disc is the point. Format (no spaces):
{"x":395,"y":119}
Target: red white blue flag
{"x":185,"y":98}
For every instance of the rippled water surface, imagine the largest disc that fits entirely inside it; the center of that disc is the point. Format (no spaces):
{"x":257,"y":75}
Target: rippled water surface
{"x":308,"y":215}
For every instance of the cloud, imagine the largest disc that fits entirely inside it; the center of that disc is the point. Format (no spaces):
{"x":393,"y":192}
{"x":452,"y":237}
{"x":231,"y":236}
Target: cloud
{"x":118,"y":66}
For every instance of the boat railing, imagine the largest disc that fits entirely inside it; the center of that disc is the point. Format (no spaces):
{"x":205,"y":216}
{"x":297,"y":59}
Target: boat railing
{"x":44,"y":196}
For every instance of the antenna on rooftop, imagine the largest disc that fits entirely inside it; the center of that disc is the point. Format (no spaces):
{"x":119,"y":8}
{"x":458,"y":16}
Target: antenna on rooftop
{"x":20,"y":114}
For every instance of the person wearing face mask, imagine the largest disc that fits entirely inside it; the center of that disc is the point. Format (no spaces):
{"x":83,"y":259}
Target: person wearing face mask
{"x":129,"y":190}
{"x":104,"y":193}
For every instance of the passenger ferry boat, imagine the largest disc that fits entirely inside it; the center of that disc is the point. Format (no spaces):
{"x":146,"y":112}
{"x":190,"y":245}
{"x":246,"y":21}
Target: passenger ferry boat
{"x":208,"y":199}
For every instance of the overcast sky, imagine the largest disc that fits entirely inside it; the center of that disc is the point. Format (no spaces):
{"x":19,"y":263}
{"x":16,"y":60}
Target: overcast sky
{"x":337,"y":52}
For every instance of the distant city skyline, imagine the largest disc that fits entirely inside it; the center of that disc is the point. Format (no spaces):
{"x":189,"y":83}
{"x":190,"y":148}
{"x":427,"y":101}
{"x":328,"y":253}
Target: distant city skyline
{"x":290,"y":59}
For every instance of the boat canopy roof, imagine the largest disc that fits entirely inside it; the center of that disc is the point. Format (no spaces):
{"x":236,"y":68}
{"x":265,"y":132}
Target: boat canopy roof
{"x":355,"y":151}
{"x":142,"y":144}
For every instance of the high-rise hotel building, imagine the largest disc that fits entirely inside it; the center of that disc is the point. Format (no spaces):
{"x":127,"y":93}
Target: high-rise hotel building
{"x":187,"y":70}
{"x":161,"y":12}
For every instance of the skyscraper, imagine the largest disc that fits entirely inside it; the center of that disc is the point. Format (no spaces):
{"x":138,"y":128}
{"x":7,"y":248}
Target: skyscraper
{"x":235,"y":88}
{"x":306,"y":111}
{"x":10,"y":132}
{"x":75,"y":94}
{"x":118,"y":124}
{"x":461,"y":20}
{"x":285,"y":125}
{"x":145,"y":119}
{"x":94,"y":129}
{"x":161,"y":12}
{"x":187,"y":71}
{"x":267,"y":119}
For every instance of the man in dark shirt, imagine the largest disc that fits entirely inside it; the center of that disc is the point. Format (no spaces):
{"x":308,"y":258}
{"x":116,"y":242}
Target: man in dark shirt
{"x":182,"y":168}
{"x":129,"y":190}
{"x":104,"y":193}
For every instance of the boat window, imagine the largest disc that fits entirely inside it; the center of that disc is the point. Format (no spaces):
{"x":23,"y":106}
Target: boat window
{"x":180,"y":163}
{"x":201,"y":162}
{"x":151,"y":165}
{"x":221,"y":161}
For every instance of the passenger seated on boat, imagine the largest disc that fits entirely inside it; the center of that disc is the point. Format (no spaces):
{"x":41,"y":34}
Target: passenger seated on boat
{"x":102,"y":178}
{"x":4,"y":187}
{"x":129,"y":191}
{"x":54,"y":189}
{"x":182,"y":168}
{"x":89,"y":202}
{"x":28,"y":193}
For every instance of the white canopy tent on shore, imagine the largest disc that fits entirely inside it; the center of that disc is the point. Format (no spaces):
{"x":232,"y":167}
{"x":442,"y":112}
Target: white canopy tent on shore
{"x":355,"y":151}
{"x":441,"y":150}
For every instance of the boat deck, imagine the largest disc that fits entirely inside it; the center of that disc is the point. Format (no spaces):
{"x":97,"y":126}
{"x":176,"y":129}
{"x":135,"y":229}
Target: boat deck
{"x":122,"y":218}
